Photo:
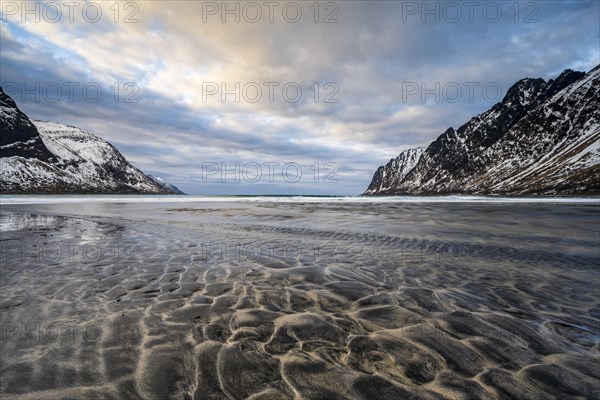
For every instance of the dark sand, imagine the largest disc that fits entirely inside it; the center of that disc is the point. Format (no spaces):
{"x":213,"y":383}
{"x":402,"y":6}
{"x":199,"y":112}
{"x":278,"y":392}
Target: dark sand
{"x":304,"y":301}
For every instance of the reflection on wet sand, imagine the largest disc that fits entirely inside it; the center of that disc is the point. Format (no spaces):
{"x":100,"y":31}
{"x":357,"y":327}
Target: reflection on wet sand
{"x":251,"y":306}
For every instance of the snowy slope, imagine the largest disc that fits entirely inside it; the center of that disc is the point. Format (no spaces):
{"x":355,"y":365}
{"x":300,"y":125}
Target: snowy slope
{"x":72,"y":161}
{"x":541,"y":139}
{"x":389,"y":176}
{"x":165,"y":184}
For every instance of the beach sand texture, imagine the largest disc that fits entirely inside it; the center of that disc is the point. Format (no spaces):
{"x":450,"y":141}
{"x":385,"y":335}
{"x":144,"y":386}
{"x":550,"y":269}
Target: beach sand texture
{"x":250,"y":305}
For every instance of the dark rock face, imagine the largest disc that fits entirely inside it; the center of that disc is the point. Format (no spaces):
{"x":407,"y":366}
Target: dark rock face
{"x":542,"y":138}
{"x":18,"y":136}
{"x":46,"y":157}
{"x":394,"y":171}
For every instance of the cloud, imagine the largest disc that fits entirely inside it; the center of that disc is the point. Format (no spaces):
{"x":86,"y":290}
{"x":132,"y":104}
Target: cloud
{"x":363,"y":64}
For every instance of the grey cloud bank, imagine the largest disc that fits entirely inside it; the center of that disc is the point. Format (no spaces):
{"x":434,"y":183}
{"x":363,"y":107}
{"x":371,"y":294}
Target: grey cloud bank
{"x":405,"y":71}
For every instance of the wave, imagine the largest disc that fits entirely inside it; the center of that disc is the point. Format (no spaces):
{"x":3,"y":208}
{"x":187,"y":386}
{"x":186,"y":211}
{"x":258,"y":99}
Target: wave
{"x":62,"y":199}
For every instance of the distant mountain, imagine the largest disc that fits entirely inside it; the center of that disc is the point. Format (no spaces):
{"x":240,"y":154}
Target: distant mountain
{"x":169,"y":186}
{"x":542,"y":138}
{"x":389,"y":176}
{"x":47,"y":157}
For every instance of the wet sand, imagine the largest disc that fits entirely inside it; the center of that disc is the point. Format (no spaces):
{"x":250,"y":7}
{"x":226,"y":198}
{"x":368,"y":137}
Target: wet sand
{"x":274,"y":301}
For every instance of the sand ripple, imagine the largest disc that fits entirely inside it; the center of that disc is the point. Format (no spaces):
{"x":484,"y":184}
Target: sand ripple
{"x":169,"y":319}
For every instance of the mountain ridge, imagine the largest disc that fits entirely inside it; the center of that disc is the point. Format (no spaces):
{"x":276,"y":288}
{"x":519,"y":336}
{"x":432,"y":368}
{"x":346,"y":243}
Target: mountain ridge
{"x":538,"y":140}
{"x":52,"y":158}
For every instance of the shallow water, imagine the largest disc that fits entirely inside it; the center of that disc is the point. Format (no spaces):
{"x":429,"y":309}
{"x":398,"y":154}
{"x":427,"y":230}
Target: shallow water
{"x":273,"y":299}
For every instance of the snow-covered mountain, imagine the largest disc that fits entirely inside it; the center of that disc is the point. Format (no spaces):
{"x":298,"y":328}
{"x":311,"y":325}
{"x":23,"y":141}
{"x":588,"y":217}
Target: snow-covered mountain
{"x":47,"y":157}
{"x":165,"y":184}
{"x":389,"y":176}
{"x":542,"y":138}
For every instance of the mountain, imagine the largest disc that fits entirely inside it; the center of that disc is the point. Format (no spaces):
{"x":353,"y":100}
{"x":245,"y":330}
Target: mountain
{"x":168,"y":186}
{"x":18,"y":136}
{"x":542,"y":138}
{"x":390,"y":175}
{"x":47,"y":157}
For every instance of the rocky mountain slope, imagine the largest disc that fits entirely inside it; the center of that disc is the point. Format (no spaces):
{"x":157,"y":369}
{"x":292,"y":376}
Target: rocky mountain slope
{"x":389,"y":176}
{"x":169,"y":186}
{"x":47,"y":157}
{"x":542,"y":138}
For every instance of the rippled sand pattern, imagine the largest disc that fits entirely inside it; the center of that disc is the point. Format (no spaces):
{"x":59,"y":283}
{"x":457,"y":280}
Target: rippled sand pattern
{"x":148,"y":310}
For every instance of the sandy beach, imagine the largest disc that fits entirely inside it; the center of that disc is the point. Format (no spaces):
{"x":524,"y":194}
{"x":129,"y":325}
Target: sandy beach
{"x":271,"y":300}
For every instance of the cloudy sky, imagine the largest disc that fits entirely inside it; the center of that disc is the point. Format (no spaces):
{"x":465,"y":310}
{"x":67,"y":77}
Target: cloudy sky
{"x":329,"y":90}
